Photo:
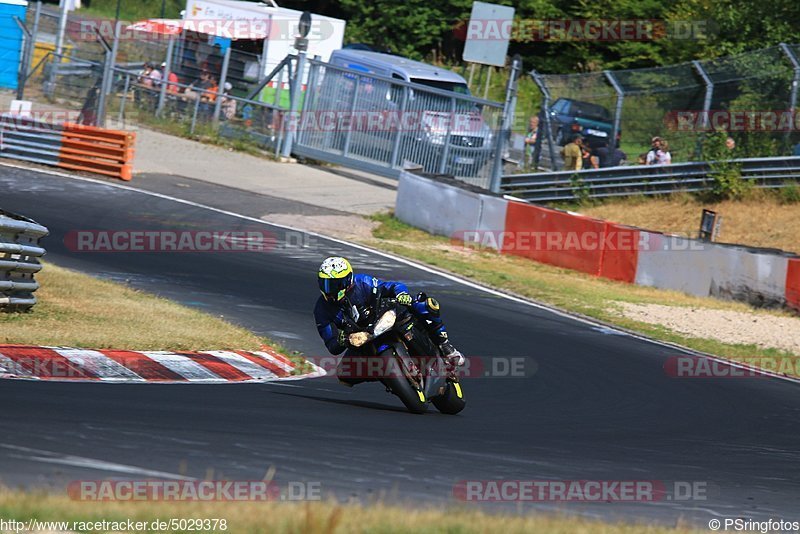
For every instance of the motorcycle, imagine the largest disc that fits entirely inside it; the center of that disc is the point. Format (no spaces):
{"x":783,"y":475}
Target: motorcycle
{"x":412,"y":366}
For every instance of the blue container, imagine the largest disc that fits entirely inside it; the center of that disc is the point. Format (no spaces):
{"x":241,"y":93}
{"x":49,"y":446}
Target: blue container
{"x":11,"y":41}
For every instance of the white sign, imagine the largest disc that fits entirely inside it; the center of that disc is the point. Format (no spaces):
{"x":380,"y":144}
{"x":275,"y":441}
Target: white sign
{"x":488,"y":33}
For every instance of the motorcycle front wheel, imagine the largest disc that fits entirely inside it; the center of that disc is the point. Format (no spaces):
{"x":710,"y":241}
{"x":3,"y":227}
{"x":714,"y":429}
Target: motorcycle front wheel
{"x":413,"y":399}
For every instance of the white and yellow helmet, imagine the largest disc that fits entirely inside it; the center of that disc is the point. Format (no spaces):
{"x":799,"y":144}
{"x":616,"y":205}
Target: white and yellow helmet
{"x":335,"y":278}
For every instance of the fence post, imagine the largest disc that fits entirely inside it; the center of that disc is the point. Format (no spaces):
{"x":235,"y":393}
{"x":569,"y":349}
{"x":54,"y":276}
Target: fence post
{"x":793,"y":94}
{"x":108,"y":75}
{"x":22,"y":72}
{"x":618,"y":108}
{"x":123,"y":100}
{"x":400,"y":129}
{"x":35,"y":34}
{"x":311,"y":88}
{"x":49,"y":86}
{"x":540,"y":83}
{"x":504,"y":132}
{"x":446,"y":144}
{"x":162,"y":93}
{"x":223,"y":76}
{"x":709,"y":91}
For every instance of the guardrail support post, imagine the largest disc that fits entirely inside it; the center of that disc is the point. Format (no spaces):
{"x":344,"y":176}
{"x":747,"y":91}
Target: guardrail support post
{"x":223,"y":77}
{"x":618,"y":108}
{"x":506,"y":119}
{"x":540,"y":83}
{"x":793,"y":93}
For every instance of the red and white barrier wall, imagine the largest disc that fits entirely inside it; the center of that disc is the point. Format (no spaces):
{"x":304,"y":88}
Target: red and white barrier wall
{"x":600,"y":248}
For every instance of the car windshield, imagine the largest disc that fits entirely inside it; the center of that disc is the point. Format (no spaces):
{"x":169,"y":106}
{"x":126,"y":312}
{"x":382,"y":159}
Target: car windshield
{"x":456,"y":87}
{"x":435,"y":102}
{"x":590,"y":111}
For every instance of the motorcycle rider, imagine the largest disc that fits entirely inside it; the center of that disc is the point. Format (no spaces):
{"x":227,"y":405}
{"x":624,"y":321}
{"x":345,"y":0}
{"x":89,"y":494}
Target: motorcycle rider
{"x":342,"y":289}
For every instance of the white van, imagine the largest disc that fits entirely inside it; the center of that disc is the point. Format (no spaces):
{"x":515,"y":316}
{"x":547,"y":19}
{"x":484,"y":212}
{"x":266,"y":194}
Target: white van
{"x":470,"y":141}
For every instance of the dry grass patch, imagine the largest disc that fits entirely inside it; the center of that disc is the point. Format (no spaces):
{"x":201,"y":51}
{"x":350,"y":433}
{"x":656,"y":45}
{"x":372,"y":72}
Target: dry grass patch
{"x":314,"y":517}
{"x":761,"y":220}
{"x":80,"y":311}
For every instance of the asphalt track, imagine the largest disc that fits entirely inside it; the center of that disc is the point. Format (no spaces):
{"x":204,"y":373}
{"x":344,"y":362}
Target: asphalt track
{"x":599,"y":405}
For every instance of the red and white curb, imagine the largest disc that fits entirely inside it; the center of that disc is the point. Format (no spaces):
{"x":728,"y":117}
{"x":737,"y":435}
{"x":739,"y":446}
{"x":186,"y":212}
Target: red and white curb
{"x":127,"y":366}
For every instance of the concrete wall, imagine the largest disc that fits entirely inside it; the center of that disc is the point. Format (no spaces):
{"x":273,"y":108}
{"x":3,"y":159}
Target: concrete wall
{"x":760,"y":277}
{"x":447,"y":210}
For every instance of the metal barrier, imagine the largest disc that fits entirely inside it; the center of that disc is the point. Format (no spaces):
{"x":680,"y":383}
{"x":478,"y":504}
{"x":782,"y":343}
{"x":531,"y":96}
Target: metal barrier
{"x":647,"y":179}
{"x":383,"y":125}
{"x":67,"y":145}
{"x":19,"y":260}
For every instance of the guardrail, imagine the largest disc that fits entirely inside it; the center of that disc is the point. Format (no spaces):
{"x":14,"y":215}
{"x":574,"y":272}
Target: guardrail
{"x":647,"y":179}
{"x":19,"y":260}
{"x":67,"y":145}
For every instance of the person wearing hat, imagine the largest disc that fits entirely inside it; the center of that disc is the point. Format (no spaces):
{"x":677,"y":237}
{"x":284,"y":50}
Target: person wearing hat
{"x":573,"y":156}
{"x":228,"y":103}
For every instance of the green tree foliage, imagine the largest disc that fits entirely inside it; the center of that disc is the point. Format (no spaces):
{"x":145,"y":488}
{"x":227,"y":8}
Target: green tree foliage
{"x":694,"y":29}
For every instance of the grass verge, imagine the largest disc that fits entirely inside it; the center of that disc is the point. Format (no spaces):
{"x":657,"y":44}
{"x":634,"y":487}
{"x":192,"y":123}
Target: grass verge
{"x":568,"y":290}
{"x":78,"y":310}
{"x":311,"y":517}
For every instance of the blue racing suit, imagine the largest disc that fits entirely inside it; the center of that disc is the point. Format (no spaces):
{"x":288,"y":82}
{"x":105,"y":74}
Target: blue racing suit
{"x":330,"y":315}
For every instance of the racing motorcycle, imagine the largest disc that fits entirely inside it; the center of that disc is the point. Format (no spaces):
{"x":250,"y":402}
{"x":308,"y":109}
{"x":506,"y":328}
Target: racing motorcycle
{"x":410,"y":364}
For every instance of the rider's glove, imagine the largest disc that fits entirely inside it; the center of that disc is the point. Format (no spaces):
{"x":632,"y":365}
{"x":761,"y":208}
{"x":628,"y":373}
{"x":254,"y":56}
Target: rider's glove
{"x":342,"y":339}
{"x":404,"y":299}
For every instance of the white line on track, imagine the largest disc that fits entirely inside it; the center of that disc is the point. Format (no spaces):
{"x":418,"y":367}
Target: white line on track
{"x":410,"y":263}
{"x":38,"y":455}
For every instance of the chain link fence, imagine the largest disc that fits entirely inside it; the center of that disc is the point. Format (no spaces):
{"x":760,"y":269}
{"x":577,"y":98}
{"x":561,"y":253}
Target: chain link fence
{"x":750,"y":97}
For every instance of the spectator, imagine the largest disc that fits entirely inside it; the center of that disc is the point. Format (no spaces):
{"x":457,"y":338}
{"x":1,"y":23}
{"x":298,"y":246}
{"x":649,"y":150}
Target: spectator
{"x":663,"y":157}
{"x":144,"y":78}
{"x":730,"y":144}
{"x":642,"y":159}
{"x":796,"y":150}
{"x":586,"y":158}
{"x":573,"y":158}
{"x":228,"y":104}
{"x":530,"y":138}
{"x":659,"y":152}
{"x":172,"y":80}
{"x":604,"y":157}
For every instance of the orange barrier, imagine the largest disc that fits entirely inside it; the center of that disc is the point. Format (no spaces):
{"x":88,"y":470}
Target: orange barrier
{"x":552,"y":237}
{"x":793,"y":283}
{"x":620,"y":253}
{"x":571,"y":241}
{"x":97,"y":150}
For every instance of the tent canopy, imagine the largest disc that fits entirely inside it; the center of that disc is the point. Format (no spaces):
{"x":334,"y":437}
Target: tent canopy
{"x":228,"y":29}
